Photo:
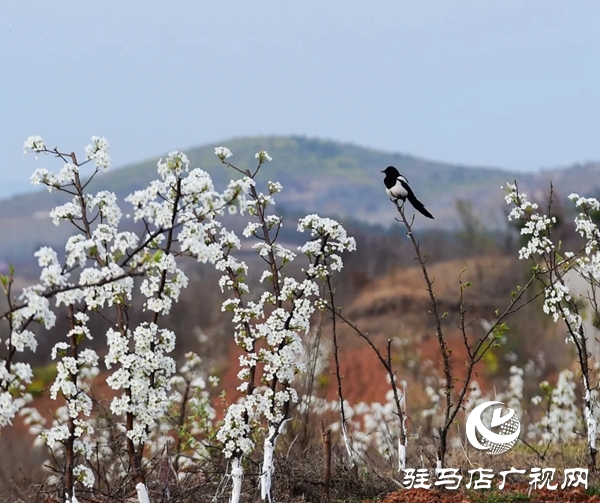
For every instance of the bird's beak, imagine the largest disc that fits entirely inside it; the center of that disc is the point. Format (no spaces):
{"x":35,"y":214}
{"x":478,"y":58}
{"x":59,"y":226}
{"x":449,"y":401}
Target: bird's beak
{"x":383,"y":171}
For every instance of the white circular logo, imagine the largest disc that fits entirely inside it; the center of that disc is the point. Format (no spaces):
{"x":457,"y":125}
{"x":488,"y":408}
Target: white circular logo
{"x":502,"y":433}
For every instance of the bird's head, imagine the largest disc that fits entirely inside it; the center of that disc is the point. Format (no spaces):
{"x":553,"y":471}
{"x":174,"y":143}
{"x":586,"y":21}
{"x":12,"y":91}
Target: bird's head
{"x":390,"y":170}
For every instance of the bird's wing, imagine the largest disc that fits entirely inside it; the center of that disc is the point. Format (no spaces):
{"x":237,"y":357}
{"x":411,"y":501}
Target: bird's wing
{"x":404,"y":182}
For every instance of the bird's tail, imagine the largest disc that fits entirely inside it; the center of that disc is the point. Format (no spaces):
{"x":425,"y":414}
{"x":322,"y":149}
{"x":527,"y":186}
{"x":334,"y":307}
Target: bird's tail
{"x":418,"y":205}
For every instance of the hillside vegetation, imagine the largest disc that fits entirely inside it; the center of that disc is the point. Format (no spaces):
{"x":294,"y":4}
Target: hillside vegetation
{"x":331,"y":178}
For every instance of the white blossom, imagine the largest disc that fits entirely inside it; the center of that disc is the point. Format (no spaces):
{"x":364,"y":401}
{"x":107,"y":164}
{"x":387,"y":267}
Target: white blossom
{"x":223,"y":153}
{"x":98,"y":151}
{"x":263,"y":156}
{"x":34,"y":144}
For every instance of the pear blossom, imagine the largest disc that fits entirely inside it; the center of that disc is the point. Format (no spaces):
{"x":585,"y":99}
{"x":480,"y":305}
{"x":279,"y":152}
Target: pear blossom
{"x":223,"y":153}
{"x":98,"y":151}
{"x":180,"y":213}
{"x":34,"y":143}
{"x":559,"y":301}
{"x":263,"y":156}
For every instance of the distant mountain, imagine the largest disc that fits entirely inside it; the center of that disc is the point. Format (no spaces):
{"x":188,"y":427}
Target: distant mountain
{"x":327,"y":177}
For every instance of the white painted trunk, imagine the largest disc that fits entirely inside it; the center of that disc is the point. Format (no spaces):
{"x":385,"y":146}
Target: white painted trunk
{"x":267,"y":467}
{"x":401,"y":456}
{"x":345,"y":435}
{"x":347,"y":444}
{"x":73,"y":499}
{"x":142,"y":493}
{"x":402,"y":446}
{"x":592,"y":425}
{"x":237,"y":474}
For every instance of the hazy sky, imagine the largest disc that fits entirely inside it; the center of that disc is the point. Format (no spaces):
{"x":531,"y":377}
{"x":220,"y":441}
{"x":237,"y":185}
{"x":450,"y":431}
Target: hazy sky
{"x":510,"y":83}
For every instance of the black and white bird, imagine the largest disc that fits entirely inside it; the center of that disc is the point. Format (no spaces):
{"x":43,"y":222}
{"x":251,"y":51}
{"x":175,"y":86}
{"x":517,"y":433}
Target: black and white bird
{"x":397,"y":188}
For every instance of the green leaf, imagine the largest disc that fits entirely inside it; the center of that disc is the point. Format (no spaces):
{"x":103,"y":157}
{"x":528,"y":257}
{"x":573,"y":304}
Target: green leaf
{"x":158,"y":254}
{"x":78,"y":338}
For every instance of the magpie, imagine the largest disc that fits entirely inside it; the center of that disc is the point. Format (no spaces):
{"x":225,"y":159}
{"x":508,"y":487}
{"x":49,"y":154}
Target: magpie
{"x":397,"y":187}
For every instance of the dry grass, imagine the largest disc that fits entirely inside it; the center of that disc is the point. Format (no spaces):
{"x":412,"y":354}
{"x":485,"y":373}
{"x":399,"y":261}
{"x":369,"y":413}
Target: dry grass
{"x":395,"y":306}
{"x":299,"y":477}
{"x":408,"y":283}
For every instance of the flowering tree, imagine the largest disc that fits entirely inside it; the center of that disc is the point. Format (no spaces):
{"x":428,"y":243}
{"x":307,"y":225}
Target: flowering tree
{"x":178,"y":215}
{"x":452,"y":390}
{"x":177,"y":211}
{"x":552,"y":266}
{"x":271,"y":331}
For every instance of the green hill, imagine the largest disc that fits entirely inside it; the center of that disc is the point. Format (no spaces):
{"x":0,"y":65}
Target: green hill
{"x":337,"y":178}
{"x":327,"y":177}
